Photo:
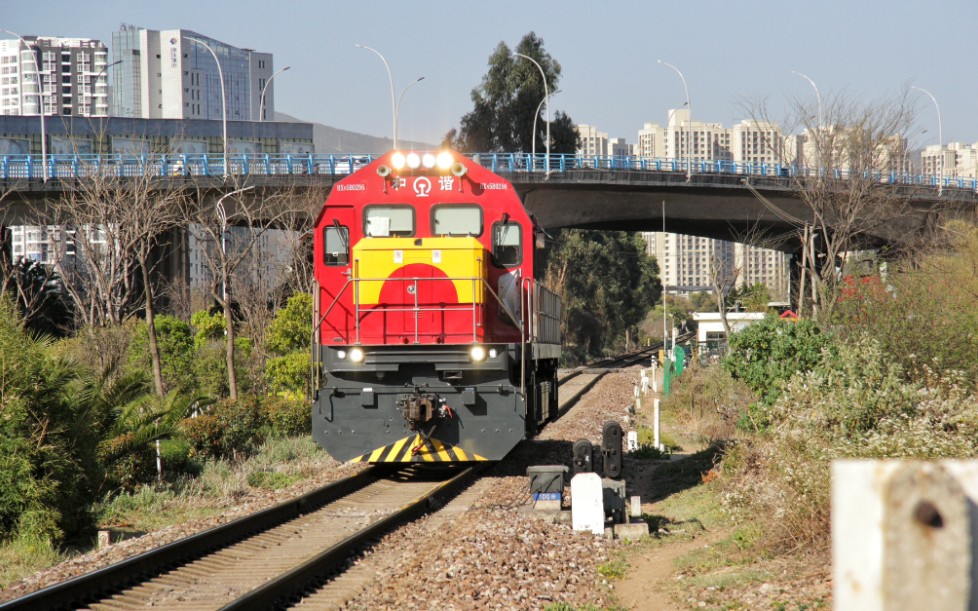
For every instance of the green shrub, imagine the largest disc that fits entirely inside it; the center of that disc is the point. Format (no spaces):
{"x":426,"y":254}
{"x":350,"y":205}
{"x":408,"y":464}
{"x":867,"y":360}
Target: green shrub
{"x":48,"y":435}
{"x":289,"y":417}
{"x":272,"y":480}
{"x":856,"y":405}
{"x":176,"y":344}
{"x":228,"y":429}
{"x":289,"y":373}
{"x":292,"y":328}
{"x":766,"y":354}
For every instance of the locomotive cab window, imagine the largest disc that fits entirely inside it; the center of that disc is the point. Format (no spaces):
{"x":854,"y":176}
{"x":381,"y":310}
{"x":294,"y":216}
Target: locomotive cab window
{"x":336,"y":245}
{"x":455,"y":220}
{"x":507,"y":244}
{"x":388,"y":221}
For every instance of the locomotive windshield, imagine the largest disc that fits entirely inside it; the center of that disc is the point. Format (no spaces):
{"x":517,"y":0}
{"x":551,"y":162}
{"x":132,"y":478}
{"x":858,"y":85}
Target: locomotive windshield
{"x":388,"y":221}
{"x":455,"y":220}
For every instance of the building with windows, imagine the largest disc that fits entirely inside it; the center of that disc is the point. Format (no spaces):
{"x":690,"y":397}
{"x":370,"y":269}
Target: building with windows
{"x":166,"y":74}
{"x":690,"y":264}
{"x":651,"y":142}
{"x":592,"y":142}
{"x":73,"y":76}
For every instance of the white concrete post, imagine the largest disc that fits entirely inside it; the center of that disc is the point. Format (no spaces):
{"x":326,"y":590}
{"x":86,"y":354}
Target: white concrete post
{"x":632,"y":440}
{"x":655,"y":425}
{"x":903,"y":534}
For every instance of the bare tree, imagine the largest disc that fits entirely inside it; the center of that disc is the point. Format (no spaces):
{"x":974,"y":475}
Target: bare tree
{"x":108,"y":230}
{"x":850,"y":148}
{"x":230,"y":226}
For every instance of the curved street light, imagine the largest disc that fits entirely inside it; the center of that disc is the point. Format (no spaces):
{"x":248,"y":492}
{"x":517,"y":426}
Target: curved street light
{"x":40,"y":98}
{"x":533,"y":151}
{"x":818,"y":96}
{"x":546,"y":98}
{"x":689,"y":108}
{"x":390,"y":79}
{"x":940,"y":140}
{"x":261,"y":102}
{"x":223,"y":217}
{"x":224,"y":100}
{"x":397,"y":107}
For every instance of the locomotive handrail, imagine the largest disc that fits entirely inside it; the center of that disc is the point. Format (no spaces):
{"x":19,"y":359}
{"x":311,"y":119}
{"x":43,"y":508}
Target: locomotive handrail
{"x":518,"y":320}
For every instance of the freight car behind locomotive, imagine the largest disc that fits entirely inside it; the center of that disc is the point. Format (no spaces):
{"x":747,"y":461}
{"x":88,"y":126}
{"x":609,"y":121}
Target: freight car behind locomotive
{"x":434,"y":340}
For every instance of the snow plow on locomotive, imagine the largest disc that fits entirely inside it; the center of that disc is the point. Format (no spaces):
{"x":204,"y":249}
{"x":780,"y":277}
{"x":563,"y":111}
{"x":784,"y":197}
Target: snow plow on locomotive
{"x":433,"y":340}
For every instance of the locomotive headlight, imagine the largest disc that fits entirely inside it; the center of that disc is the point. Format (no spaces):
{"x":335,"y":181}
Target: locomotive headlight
{"x":356,"y":355}
{"x":477,"y":354}
{"x":397,"y":160}
{"x":428,"y":160}
{"x":413,"y":161}
{"x":444,"y":160}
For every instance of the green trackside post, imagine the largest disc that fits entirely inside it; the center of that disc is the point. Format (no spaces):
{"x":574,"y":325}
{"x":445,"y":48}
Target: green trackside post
{"x":667,"y":373}
{"x":679,"y":355}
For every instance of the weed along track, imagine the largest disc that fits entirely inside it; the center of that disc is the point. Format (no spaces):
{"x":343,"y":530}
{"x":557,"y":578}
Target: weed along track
{"x":265,"y":558}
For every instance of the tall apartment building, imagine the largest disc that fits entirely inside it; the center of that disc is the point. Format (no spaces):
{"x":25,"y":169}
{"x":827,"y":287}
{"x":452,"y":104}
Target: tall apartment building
{"x":695,"y":140}
{"x":953,"y":160}
{"x":687,"y":264}
{"x":617,"y":147}
{"x":756,"y":143}
{"x":72,"y":75}
{"x":164,"y":74}
{"x":592,"y":142}
{"x":651,"y":141}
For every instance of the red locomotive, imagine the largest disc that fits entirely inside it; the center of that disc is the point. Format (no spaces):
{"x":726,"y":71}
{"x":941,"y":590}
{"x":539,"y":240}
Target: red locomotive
{"x":433,"y":338}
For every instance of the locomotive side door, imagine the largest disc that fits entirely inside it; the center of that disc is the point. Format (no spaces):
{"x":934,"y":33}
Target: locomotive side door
{"x":333,"y":265}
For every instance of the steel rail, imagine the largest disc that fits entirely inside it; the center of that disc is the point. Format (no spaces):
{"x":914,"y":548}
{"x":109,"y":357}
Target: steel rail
{"x":85,"y":588}
{"x":286,"y":586}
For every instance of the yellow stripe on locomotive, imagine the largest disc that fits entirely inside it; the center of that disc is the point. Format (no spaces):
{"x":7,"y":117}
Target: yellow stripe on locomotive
{"x":462,"y":260}
{"x":418,"y":449}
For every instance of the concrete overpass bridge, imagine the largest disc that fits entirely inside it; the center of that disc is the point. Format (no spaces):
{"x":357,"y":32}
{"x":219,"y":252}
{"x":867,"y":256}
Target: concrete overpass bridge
{"x":717,"y":200}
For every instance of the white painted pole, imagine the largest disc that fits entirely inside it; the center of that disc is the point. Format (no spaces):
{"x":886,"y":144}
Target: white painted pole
{"x":655,"y":426}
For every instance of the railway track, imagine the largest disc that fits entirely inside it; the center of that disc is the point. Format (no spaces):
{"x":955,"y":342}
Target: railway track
{"x":279,"y":554}
{"x":265,"y":559}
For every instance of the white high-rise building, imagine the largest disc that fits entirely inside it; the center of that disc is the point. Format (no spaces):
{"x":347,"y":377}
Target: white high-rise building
{"x":689,"y":264}
{"x":164,"y":74}
{"x":710,"y":142}
{"x":651,"y":142}
{"x":756,"y":143}
{"x":592,"y":142}
{"x":72,"y":73}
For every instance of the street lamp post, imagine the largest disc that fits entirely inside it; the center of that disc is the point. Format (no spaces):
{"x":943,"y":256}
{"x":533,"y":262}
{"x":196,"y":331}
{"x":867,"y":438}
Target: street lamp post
{"x":224,"y":100}
{"x":546,"y":97}
{"x":390,"y":79}
{"x":397,"y":107}
{"x":818,"y":96}
{"x":223,"y":217}
{"x":689,"y":108}
{"x":261,"y":102}
{"x":40,"y":99}
{"x":940,"y":141}
{"x":533,"y":151}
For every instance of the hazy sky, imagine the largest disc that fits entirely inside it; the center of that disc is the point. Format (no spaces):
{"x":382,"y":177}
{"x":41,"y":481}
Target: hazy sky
{"x":730,"y":52}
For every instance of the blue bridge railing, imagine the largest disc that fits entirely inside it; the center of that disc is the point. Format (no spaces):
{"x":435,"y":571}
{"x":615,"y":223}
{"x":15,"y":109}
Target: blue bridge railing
{"x":30,"y":167}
